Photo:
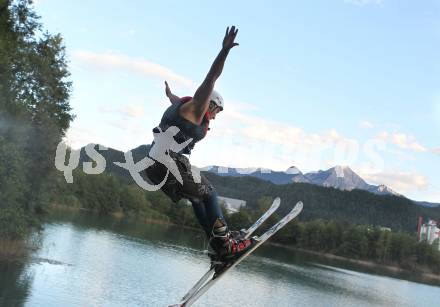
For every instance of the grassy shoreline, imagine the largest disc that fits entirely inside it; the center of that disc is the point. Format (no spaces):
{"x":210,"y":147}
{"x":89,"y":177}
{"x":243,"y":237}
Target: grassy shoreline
{"x":12,"y":249}
{"x":119,"y":215}
{"x":17,"y":249}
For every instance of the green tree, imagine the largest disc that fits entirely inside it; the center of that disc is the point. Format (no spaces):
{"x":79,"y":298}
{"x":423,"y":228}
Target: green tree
{"x":290,"y":234}
{"x":355,"y":243}
{"x":401,"y":247}
{"x":34,"y":106}
{"x":12,"y":179}
{"x":34,"y":112}
{"x":240,"y":219}
{"x":383,"y":246}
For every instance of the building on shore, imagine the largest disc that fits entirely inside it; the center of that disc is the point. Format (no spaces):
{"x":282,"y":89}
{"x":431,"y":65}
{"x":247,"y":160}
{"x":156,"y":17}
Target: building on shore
{"x":428,"y":232}
{"x":385,"y":228}
{"x":232,"y":205}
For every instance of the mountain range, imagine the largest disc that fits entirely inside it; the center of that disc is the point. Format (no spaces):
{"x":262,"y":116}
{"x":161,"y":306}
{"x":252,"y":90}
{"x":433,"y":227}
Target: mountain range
{"x":339,"y":177}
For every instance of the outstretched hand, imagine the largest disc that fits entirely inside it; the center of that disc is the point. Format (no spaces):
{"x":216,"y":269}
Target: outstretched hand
{"x":228,"y":40}
{"x":167,"y":89}
{"x":195,"y":110}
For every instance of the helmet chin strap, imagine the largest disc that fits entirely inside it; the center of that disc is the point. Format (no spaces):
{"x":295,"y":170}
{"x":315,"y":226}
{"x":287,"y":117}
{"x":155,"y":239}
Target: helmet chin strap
{"x":207,"y":114}
{"x":210,"y":110}
{"x":206,"y":120}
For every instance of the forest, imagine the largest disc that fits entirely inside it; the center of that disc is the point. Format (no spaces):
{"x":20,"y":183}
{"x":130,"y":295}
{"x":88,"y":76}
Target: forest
{"x":34,"y":117}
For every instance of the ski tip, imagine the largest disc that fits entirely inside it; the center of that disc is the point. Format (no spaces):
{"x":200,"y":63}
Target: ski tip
{"x":299,"y":205}
{"x":277,"y":200}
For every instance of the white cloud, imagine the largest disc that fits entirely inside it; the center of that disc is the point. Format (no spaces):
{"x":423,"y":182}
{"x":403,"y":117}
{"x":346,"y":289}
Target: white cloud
{"x":401,"y":182}
{"x":134,"y":111}
{"x":402,"y":140}
{"x":77,"y":137}
{"x":366,"y":124}
{"x":112,"y":61}
{"x":406,"y":141}
{"x":105,"y":109}
{"x":241,"y":139}
{"x":253,"y":132}
{"x":383,"y":136}
{"x":257,"y":128}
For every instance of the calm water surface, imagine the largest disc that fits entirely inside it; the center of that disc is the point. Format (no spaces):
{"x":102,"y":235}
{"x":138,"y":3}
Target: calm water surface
{"x":95,"y":261}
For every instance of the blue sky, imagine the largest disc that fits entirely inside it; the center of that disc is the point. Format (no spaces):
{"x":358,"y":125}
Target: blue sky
{"x":312,"y":84}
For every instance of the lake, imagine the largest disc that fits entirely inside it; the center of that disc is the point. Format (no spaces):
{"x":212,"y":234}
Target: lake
{"x":88,"y":260}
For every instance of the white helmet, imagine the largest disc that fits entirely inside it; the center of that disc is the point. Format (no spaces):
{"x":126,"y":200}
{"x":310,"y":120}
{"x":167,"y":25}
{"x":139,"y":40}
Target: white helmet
{"x":217,"y":99}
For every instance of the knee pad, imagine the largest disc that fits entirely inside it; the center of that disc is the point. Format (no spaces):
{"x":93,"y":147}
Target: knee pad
{"x":220,"y":228}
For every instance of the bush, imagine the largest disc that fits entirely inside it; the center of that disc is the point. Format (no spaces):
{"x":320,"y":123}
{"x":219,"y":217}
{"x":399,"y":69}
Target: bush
{"x":14,"y":223}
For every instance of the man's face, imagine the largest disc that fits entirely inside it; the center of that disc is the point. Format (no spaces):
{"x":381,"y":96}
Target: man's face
{"x":213,"y":111}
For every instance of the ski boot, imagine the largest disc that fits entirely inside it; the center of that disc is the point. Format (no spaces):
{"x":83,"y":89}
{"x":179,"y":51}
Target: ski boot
{"x":228,"y":245}
{"x":238,"y":234}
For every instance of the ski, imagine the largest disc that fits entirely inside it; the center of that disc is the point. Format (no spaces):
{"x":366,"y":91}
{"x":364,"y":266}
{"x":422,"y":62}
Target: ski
{"x":260,"y":240}
{"x":276,"y":203}
{"x":247,"y":233}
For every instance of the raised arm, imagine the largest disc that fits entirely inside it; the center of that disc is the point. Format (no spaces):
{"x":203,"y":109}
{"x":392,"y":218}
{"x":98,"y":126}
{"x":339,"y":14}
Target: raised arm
{"x":195,"y":109}
{"x":173,"y":98}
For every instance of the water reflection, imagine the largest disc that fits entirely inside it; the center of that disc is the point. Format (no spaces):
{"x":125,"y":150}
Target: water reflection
{"x":88,"y":260}
{"x":14,"y":283}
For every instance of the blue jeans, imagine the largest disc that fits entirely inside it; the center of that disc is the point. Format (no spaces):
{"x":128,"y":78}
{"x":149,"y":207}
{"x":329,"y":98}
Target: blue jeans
{"x":207,"y":211}
{"x":201,"y":194}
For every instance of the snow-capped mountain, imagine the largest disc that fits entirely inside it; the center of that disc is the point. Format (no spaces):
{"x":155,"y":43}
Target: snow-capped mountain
{"x":297,"y":175}
{"x":344,"y":178}
{"x":382,"y":190}
{"x":293,"y":170}
{"x":339,"y":177}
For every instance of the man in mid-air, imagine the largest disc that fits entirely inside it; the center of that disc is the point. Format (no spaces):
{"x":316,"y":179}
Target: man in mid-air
{"x":191,"y":115}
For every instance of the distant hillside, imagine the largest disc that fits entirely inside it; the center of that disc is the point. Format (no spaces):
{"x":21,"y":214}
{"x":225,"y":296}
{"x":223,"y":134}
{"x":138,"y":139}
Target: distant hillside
{"x":112,"y":155}
{"x":428,"y":204}
{"x":269,"y":175}
{"x":340,"y":177}
{"x":355,"y":206}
